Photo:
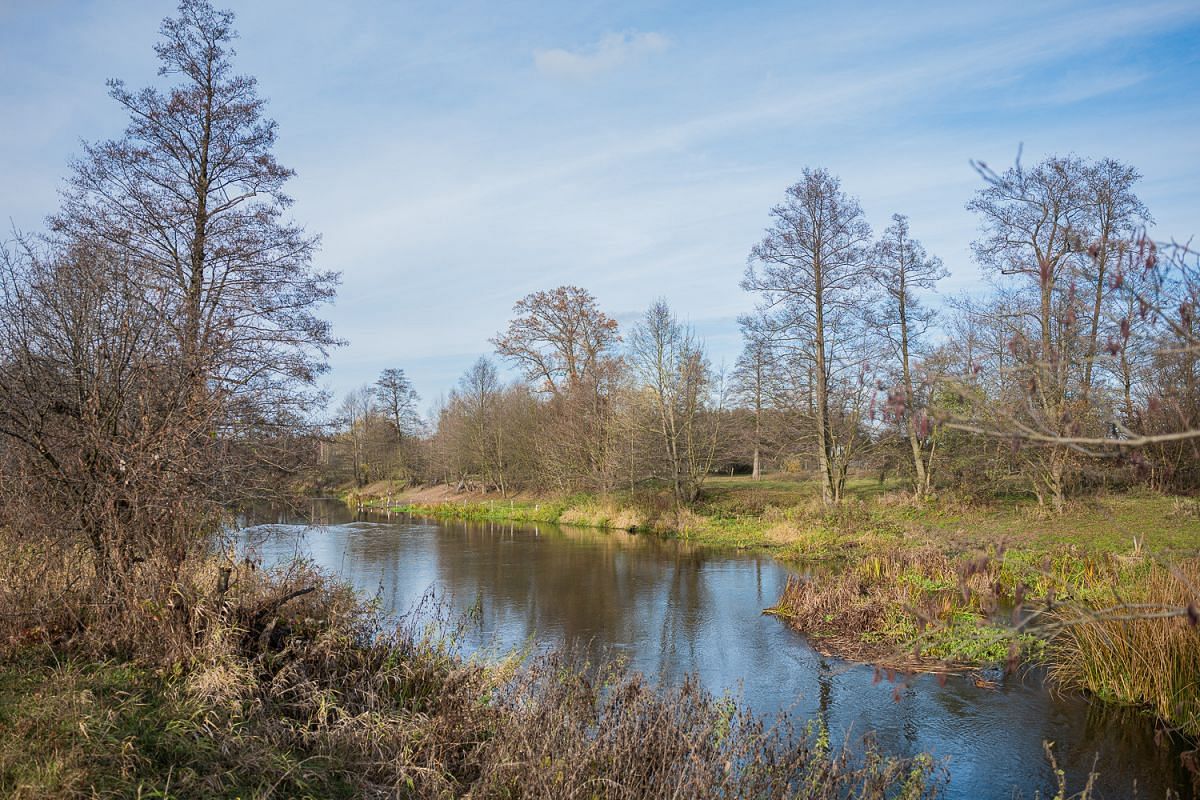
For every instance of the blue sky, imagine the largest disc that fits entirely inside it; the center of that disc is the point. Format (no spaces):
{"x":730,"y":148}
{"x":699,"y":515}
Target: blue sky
{"x":456,"y":156}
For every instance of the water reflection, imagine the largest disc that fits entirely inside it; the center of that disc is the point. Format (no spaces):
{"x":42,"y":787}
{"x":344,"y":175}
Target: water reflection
{"x":672,"y":609}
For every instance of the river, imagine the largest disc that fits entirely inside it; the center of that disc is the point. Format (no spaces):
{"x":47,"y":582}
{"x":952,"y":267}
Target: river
{"x":673,"y":609}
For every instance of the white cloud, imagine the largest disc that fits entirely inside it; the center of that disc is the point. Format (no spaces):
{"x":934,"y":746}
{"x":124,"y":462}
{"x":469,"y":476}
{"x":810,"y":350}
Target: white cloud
{"x":610,"y":52}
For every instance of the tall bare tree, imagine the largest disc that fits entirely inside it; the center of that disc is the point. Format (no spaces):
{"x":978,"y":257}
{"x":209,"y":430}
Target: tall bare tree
{"x":192,"y":193}
{"x":167,"y":338}
{"x":901,"y":268}
{"x":1033,"y":223}
{"x":672,"y":368}
{"x":811,"y":270}
{"x":478,"y":393}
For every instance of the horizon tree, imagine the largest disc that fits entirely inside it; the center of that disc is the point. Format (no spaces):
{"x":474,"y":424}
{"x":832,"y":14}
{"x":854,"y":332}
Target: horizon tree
{"x":397,"y":399}
{"x":567,"y":349}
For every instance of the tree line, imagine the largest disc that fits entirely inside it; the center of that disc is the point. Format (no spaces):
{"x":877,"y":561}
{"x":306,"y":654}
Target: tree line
{"x":1074,"y":366}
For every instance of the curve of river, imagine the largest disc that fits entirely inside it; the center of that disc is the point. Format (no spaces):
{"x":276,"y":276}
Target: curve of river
{"x":673,"y":609}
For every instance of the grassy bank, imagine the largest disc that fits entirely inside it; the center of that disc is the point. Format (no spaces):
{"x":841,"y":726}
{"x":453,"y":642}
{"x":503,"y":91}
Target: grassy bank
{"x":271,"y":693}
{"x":784,"y":516}
{"x":1125,"y":646}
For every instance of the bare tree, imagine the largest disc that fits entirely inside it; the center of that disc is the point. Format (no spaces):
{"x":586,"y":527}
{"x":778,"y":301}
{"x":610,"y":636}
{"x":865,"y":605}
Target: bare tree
{"x":902,"y":267}
{"x":194,"y":195}
{"x":1115,"y":218}
{"x":396,"y":397}
{"x":1032,"y":221}
{"x":672,"y":368}
{"x":752,"y":375}
{"x":811,"y":270}
{"x":489,"y":431}
{"x":478,"y":392}
{"x":1048,"y":232}
{"x":561,"y":339}
{"x":566,"y":347}
{"x":94,"y":410}
{"x":160,"y":351}
{"x":355,"y":415}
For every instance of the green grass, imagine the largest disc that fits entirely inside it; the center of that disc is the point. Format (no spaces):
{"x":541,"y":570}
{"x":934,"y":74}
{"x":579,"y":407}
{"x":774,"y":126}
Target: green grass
{"x":782,"y":514}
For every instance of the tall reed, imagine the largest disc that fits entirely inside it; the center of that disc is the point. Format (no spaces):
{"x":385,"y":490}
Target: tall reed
{"x":1137,"y":646}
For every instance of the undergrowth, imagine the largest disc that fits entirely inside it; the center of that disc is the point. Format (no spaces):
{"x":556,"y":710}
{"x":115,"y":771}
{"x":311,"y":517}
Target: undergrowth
{"x":287,"y":685}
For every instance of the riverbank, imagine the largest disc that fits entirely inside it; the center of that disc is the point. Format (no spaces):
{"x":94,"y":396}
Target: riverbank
{"x":782,"y":516}
{"x":287,"y":685}
{"x":943,"y":585}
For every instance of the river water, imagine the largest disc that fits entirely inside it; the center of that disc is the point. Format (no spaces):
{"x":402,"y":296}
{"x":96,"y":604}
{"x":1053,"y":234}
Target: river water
{"x":673,"y":609}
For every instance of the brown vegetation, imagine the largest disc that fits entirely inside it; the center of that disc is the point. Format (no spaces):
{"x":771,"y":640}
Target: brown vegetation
{"x":159,"y":350}
{"x":918,"y":610}
{"x":285,"y":685}
{"x":1131,"y":645}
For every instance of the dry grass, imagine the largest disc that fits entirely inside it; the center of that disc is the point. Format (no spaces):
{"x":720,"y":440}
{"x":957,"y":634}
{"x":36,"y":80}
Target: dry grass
{"x":1138,"y":645}
{"x":270,"y":690}
{"x":603,"y":513}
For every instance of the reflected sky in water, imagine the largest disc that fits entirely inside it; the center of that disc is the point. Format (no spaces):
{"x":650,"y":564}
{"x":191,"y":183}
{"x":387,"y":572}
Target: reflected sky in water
{"x":673,"y":609}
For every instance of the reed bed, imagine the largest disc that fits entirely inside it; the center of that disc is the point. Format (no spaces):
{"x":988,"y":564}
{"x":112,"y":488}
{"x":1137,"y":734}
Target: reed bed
{"x":1137,"y":644}
{"x":912,"y":608}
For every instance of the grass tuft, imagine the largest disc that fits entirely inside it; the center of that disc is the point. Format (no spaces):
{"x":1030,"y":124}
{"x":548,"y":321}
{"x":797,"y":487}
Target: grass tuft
{"x":1116,"y":649}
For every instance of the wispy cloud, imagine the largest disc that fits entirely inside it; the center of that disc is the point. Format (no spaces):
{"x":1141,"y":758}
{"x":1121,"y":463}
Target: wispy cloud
{"x":1077,"y":88}
{"x":612,"y":51}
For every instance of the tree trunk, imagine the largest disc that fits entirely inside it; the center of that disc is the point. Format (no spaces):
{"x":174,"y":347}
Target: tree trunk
{"x":829,"y":496}
{"x":919,"y":467}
